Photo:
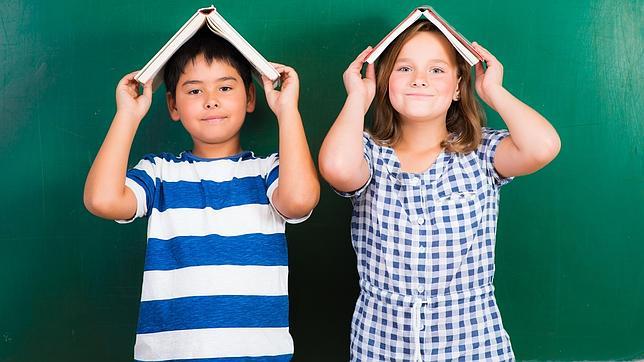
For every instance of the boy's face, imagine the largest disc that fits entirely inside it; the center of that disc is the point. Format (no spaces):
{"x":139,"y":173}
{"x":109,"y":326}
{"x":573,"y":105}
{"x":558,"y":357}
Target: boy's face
{"x":211,"y":102}
{"x":424,"y":79}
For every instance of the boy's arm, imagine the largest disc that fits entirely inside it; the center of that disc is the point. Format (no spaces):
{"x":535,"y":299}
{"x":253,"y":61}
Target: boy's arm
{"x":298,"y":190}
{"x":105,"y":192}
{"x":341,"y":158}
{"x":533,"y":142}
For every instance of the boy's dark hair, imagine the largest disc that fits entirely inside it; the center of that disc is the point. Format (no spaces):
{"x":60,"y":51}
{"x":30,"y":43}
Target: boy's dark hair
{"x":213,"y":47}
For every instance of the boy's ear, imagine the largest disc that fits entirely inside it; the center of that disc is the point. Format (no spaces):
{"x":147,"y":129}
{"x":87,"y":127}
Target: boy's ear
{"x":250,"y":98}
{"x":172,"y":106}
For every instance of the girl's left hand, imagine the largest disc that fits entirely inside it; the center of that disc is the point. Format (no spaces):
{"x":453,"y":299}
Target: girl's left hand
{"x":490,"y":79}
{"x":287,"y":96}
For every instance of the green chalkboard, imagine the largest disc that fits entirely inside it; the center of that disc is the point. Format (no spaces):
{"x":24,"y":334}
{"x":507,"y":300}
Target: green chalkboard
{"x":570,"y":251}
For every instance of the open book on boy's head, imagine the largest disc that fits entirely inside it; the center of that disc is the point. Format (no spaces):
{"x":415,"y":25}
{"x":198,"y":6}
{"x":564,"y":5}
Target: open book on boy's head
{"x":462,"y":46}
{"x":210,"y":18}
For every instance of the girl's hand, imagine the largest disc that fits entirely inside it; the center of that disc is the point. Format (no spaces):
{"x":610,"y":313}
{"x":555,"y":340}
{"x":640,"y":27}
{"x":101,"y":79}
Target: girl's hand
{"x":490,"y":79}
{"x":287,"y":97}
{"x":128,"y":100}
{"x":364,"y":88}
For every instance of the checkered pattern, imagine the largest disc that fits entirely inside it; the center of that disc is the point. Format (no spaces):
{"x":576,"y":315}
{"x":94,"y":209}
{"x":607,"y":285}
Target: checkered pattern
{"x":425,"y":249}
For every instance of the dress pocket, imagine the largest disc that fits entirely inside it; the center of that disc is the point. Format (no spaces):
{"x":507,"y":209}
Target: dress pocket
{"x":457,"y":217}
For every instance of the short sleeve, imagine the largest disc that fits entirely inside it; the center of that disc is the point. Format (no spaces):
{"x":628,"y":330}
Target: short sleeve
{"x":272,"y":180}
{"x":487,"y":149}
{"x":141,"y":179}
{"x":367,"y":147}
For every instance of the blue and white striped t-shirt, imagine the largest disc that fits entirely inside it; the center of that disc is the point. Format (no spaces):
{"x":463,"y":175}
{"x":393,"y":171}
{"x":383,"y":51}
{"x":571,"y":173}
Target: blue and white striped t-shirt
{"x":215,"y":284}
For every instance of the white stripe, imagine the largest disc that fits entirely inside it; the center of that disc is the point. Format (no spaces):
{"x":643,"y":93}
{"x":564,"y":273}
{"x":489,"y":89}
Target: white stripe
{"x":230,"y":221}
{"x":216,"y":170}
{"x":215,"y":280}
{"x":213,"y":343}
{"x":148,"y":167}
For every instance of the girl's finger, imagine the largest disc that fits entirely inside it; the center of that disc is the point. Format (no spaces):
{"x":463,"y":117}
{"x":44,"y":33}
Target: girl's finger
{"x":371,"y":72}
{"x":479,"y":70}
{"x":357,"y":63}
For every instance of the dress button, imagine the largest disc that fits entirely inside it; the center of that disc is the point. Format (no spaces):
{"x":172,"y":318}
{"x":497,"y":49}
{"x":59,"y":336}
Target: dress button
{"x":420,"y":289}
{"x":421,"y":221}
{"x":422,"y":327}
{"x":421,"y":249}
{"x":415,"y":181}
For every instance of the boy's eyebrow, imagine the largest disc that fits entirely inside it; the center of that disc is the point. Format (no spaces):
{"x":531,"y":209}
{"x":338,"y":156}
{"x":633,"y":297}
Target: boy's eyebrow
{"x":222,"y":79}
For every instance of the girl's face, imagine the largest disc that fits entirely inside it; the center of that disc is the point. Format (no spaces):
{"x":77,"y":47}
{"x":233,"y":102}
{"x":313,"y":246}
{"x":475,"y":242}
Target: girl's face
{"x":424,"y":79}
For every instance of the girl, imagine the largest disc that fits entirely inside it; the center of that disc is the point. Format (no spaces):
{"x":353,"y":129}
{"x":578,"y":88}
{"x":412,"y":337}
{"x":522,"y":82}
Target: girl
{"x":424,"y":184}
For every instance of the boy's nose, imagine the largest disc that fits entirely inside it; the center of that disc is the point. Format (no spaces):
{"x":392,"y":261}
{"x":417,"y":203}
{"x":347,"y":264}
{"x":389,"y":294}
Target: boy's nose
{"x":211,"y":104}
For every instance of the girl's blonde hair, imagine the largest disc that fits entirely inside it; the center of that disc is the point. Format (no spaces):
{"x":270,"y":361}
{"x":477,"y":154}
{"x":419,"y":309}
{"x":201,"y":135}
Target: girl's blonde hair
{"x":464,"y":117}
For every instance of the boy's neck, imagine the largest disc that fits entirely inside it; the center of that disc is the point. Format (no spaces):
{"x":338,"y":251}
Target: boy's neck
{"x":218,"y":150}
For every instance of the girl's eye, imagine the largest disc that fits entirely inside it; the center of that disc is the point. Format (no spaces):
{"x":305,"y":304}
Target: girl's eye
{"x":225,"y":89}
{"x":404,"y":68}
{"x":436,"y":71}
{"x":194,"y":91}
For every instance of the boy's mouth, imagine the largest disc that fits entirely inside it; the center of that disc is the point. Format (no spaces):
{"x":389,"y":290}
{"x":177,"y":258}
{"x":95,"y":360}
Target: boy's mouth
{"x":214,"y":119}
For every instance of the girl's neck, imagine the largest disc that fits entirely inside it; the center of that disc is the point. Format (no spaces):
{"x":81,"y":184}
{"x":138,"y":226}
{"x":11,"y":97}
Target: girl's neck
{"x":422,"y":134}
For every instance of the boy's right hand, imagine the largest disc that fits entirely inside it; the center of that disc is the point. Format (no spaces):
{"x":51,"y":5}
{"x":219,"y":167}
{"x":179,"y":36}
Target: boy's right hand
{"x":363,"y":88}
{"x":129,"y":102}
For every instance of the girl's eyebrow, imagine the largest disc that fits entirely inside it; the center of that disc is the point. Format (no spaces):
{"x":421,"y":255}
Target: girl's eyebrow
{"x":409,"y":60}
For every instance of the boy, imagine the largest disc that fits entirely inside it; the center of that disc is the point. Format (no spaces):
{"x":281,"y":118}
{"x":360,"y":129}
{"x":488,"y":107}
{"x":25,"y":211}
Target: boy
{"x":215,"y":278}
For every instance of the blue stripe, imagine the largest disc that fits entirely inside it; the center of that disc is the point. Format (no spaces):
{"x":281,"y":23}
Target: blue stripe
{"x":228,"y":311}
{"x":272,"y":176}
{"x":216,"y":195}
{"x":184,"y":251}
{"x":145,"y":181}
{"x":280,"y":358}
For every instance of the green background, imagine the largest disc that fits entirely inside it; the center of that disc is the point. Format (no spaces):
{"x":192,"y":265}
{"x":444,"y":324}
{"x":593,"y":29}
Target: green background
{"x":570,"y":251}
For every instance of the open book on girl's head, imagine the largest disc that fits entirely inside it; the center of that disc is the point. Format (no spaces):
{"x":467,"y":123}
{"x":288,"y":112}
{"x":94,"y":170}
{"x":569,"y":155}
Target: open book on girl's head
{"x":462,"y":46}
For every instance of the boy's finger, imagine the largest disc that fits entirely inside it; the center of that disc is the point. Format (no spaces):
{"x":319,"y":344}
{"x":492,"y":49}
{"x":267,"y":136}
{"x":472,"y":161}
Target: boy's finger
{"x":268,"y":84}
{"x":147,"y":89}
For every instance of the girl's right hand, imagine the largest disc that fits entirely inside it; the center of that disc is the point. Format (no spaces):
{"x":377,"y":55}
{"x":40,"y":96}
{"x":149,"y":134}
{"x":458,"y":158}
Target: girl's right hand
{"x":363,"y":88}
{"x":128,"y":100}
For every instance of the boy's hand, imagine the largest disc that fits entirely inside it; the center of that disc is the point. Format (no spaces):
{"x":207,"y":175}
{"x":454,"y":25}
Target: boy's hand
{"x":363,"y":88}
{"x":287,"y":97}
{"x":128,"y":100}
{"x":490,"y":80}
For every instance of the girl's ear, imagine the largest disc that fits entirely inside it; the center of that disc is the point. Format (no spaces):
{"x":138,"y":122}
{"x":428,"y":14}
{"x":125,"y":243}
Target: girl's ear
{"x":457,"y":92}
{"x":250,"y":98}
{"x":172,"y":106}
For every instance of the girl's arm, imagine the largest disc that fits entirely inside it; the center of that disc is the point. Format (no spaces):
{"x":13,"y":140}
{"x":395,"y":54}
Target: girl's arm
{"x":341,"y":158}
{"x":298,"y":190}
{"x":105,"y":192}
{"x":533,"y":142}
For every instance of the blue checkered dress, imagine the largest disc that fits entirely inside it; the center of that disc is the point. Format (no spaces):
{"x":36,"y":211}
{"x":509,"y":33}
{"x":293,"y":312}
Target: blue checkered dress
{"x":425,"y":249}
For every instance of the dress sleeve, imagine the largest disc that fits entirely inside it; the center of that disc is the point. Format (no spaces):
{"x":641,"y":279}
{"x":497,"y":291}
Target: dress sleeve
{"x":272,"y":180}
{"x":487,"y":149}
{"x":142,"y":180}
{"x":368,"y":149}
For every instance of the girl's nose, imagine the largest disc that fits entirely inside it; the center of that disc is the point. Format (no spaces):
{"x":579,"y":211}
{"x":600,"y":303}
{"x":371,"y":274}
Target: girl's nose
{"x":419,"y":83}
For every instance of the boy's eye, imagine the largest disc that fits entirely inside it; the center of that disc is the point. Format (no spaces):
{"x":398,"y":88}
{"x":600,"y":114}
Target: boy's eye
{"x":225,"y":88}
{"x":194,"y":91}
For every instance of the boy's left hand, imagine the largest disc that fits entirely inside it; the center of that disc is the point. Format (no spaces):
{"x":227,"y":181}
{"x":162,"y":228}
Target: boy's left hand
{"x":490,"y":79}
{"x":287,"y":97}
